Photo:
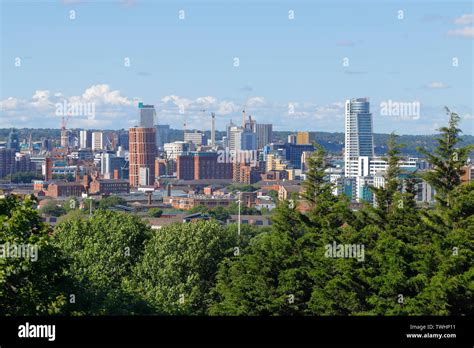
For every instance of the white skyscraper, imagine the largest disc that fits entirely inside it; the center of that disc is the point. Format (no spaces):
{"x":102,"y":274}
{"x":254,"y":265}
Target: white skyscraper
{"x":358,"y":134}
{"x":85,"y":139}
{"x":97,"y":141}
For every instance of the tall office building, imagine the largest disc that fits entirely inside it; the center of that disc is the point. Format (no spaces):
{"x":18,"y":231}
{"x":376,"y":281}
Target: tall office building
{"x":358,"y":134}
{"x":142,"y":156}
{"x":123,"y":140}
{"x":264,"y":134}
{"x":162,"y":135}
{"x":97,"y":141}
{"x":304,"y":138}
{"x":147,"y":115}
{"x":241,"y":139}
{"x":7,"y":162}
{"x":13,"y":141}
{"x":85,"y":139}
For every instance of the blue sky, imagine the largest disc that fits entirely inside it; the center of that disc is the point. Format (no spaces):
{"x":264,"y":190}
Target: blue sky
{"x":284,"y":63}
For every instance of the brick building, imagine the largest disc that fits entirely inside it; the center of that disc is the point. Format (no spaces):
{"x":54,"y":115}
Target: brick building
{"x":109,"y":186}
{"x":142,"y":155}
{"x":245,"y":174}
{"x":65,"y":189}
{"x":202,"y":166}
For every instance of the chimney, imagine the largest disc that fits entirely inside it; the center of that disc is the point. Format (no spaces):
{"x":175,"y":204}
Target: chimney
{"x":116,"y":174}
{"x":168,"y":190}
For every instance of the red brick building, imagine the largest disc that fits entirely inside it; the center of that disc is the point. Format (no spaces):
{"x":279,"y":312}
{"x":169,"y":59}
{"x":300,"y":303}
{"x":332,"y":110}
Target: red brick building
{"x":202,"y":166}
{"x":65,"y":189}
{"x":142,"y":147}
{"x":109,"y":186}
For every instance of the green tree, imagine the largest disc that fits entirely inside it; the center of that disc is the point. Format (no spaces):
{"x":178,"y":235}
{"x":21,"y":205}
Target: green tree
{"x":384,"y":195}
{"x":52,"y":208}
{"x":32,"y":283}
{"x":154,"y":212}
{"x":102,"y":251}
{"x":219,"y":213}
{"x":179,"y":265}
{"x":111,"y":201}
{"x":447,"y":160}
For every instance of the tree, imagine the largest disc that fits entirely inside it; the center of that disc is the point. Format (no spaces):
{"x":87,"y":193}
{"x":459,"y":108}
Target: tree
{"x":25,"y":177}
{"x":447,"y":160}
{"x":274,"y":195}
{"x":384,"y":195}
{"x":219,"y":213}
{"x":316,"y":186}
{"x":179,"y":264}
{"x":32,"y":282}
{"x":154,"y":212}
{"x":111,"y":201}
{"x":102,"y":252}
{"x":52,"y":208}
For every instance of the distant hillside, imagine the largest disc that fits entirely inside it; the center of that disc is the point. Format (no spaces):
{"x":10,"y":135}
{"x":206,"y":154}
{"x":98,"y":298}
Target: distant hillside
{"x":332,"y":142}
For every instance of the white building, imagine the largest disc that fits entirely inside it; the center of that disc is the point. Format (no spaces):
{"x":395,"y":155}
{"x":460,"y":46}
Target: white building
{"x":197,"y":138}
{"x":358,"y":134}
{"x":85,"y":139}
{"x":97,"y":141}
{"x":173,"y":150}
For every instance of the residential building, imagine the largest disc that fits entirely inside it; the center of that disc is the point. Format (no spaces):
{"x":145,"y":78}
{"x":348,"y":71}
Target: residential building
{"x":358,"y":134}
{"x":142,"y":155}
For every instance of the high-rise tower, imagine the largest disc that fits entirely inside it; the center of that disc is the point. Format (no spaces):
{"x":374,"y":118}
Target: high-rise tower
{"x":142,"y":156}
{"x":358,"y":134}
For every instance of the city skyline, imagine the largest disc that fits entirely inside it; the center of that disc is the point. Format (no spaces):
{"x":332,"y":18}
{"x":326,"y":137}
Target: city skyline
{"x":324,"y":53}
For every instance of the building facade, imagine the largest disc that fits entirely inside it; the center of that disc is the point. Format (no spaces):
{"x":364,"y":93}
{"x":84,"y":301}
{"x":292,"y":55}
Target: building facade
{"x":358,"y":134}
{"x":142,"y":154}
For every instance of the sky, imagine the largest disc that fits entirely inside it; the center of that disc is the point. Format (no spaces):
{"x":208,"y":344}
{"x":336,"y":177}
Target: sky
{"x":290,"y":63}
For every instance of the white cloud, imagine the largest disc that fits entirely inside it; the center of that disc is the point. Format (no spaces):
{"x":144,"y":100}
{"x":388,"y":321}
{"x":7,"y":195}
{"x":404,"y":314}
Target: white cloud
{"x":437,"y":85}
{"x":465,"y":32}
{"x":465,"y":19}
{"x":468,"y":31}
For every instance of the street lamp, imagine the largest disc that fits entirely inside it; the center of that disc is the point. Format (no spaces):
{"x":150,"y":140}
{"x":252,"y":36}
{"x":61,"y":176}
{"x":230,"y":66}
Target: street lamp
{"x":238,"y":221}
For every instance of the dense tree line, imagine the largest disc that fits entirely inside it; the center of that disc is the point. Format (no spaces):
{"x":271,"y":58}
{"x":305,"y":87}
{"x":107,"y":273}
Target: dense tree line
{"x":406,"y":260}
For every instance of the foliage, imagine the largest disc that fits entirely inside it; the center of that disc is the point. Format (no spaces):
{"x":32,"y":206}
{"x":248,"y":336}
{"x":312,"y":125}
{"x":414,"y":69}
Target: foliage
{"x":447,"y":160}
{"x":179,"y":265}
{"x":23,"y":177}
{"x":33,"y":283}
{"x":52,"y":208}
{"x":154,"y":212}
{"x":111,"y":201}
{"x":102,"y":252}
